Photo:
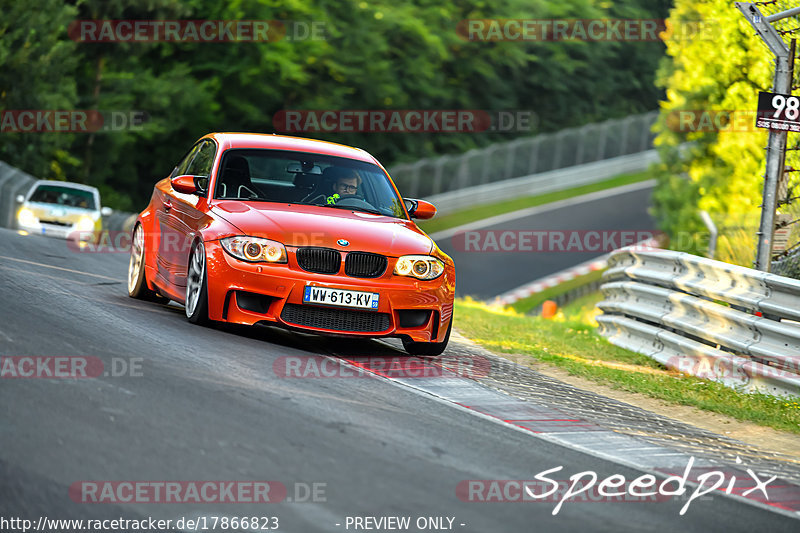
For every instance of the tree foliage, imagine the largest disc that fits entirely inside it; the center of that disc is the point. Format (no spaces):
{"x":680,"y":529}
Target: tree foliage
{"x":37,"y":71}
{"x":377,"y":55}
{"x":719,"y":171}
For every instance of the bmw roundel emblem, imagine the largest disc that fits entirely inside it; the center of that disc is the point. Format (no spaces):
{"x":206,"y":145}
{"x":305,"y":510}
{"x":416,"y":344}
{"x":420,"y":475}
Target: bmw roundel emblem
{"x":342,"y":242}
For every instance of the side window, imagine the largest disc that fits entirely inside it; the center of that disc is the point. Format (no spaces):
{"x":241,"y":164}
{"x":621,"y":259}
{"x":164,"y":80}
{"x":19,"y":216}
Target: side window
{"x":201,"y":164}
{"x":204,"y":158}
{"x":187,"y":159}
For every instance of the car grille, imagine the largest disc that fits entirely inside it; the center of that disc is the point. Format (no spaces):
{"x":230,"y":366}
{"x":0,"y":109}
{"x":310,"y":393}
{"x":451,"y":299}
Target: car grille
{"x":319,"y":260}
{"x":55,"y":222}
{"x":364,"y":265}
{"x":335,"y":319}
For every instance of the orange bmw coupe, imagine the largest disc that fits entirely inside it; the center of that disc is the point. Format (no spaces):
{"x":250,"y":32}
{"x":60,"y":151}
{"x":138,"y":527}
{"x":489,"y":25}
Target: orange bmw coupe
{"x":304,"y":234}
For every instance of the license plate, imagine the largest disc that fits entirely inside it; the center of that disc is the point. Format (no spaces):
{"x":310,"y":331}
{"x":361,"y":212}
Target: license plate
{"x":340,"y":297}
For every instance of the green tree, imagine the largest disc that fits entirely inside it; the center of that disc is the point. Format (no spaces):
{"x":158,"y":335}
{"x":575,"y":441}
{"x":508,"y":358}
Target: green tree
{"x":37,"y":73}
{"x":719,"y":171}
{"x":123,"y":78}
{"x":378,"y":54}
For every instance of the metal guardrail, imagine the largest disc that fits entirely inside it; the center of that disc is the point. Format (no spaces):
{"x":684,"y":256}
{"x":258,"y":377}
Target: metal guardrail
{"x":526,"y":156}
{"x":710,"y":319}
{"x":542,"y":183}
{"x":13,"y":182}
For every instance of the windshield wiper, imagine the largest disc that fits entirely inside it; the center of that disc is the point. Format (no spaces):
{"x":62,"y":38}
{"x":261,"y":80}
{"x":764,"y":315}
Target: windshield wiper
{"x":350,"y":207}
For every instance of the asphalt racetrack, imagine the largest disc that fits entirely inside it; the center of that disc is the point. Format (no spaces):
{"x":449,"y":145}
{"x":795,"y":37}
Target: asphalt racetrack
{"x":206,"y":404}
{"x":487,"y":267}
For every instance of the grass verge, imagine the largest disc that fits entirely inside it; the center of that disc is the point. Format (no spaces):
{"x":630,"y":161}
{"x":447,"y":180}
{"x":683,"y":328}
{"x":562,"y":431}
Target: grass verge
{"x":570,"y":343}
{"x":507,"y":206}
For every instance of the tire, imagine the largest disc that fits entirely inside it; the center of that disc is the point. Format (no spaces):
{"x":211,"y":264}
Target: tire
{"x":196,"y":303}
{"x":428,"y":348}
{"x":137,"y":283}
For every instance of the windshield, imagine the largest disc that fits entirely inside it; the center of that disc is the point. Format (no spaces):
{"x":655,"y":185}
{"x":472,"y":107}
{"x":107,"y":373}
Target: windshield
{"x":66,"y":196}
{"x":308,"y":179}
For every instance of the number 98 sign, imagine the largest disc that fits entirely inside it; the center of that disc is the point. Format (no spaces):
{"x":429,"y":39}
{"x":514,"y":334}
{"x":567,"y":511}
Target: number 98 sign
{"x":778,"y":111}
{"x":788,"y":105}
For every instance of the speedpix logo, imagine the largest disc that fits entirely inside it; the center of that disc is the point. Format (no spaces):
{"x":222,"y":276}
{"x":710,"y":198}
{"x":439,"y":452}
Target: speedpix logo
{"x":587,"y":486}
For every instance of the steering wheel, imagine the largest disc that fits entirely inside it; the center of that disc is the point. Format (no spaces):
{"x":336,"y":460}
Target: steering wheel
{"x":349,"y":197}
{"x":316,"y":200}
{"x":353,"y":200}
{"x":345,"y":200}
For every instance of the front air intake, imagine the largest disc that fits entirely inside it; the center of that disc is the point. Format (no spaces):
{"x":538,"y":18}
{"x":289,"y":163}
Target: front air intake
{"x":343,"y":320}
{"x":319,"y":260}
{"x":364,"y":265}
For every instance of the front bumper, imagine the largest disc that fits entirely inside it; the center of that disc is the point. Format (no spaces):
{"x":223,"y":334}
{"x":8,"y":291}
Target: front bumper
{"x":60,"y":232}
{"x":251,"y":293}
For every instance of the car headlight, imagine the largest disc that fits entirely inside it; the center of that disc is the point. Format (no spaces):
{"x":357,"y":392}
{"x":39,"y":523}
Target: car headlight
{"x":26,"y":217}
{"x":254,"y":249}
{"x":419,"y":266}
{"x":85,"y":224}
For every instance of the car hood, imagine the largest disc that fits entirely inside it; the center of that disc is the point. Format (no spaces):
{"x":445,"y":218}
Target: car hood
{"x":305,"y":225}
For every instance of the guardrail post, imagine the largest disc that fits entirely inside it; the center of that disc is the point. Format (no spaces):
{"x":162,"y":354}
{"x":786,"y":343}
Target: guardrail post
{"x":437,"y":179}
{"x":487,"y":163}
{"x":601,"y":144}
{"x":712,"y":231}
{"x":559,"y":148}
{"x":623,"y":138}
{"x":414,"y":185}
{"x":776,"y":145}
{"x":533,"y":160}
{"x":581,"y":144}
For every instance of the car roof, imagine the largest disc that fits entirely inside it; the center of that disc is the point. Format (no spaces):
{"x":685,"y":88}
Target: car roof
{"x":271,"y":141}
{"x":68,"y":184}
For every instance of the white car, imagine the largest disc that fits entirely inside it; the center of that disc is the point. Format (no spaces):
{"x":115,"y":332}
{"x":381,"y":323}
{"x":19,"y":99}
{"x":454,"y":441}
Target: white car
{"x":62,"y":209}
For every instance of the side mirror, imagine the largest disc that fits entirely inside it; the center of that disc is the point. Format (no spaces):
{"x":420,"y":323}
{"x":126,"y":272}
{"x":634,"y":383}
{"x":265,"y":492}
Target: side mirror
{"x":106,"y":211}
{"x":184,"y":184}
{"x":419,"y":208}
{"x":20,"y":198}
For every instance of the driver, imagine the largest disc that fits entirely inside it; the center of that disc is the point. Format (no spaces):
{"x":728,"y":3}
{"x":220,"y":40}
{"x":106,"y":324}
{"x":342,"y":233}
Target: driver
{"x":346,"y":184}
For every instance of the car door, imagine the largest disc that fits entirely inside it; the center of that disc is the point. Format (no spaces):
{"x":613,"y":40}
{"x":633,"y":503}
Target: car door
{"x":188,"y":211}
{"x":167,"y":229}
